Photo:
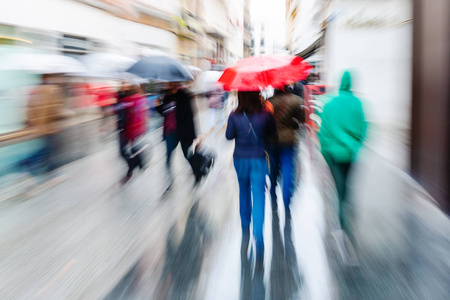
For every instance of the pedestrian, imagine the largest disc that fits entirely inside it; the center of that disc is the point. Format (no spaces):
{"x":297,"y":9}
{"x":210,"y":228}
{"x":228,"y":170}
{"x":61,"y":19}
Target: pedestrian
{"x":289,"y":115}
{"x":179,"y":127}
{"x":135,"y":111}
{"x":341,"y":135}
{"x":124,"y":91}
{"x":216,"y":99}
{"x":45,"y":113}
{"x":296,"y":88}
{"x":251,"y":125}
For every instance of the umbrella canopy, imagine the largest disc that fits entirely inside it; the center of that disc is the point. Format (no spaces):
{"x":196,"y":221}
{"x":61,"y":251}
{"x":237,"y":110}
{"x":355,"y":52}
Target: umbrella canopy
{"x":194,"y":70}
{"x":259,"y":72}
{"x":106,"y":65}
{"x":42,"y":63}
{"x":131,"y":78}
{"x":162,"y":68}
{"x":207,"y":81}
{"x":13,"y":78}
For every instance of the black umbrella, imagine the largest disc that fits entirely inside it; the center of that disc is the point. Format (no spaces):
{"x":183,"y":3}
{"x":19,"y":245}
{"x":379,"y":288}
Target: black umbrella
{"x":161,"y":68}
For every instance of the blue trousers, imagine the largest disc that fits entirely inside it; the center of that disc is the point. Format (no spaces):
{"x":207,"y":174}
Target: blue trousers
{"x":251,"y":173}
{"x":282,"y":163}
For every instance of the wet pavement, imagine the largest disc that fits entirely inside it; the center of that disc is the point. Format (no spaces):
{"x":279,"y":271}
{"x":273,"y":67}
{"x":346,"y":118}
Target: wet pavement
{"x":87,"y":237}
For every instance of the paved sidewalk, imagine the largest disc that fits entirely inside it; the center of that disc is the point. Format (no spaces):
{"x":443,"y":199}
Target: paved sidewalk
{"x":87,"y":237}
{"x":76,"y":238}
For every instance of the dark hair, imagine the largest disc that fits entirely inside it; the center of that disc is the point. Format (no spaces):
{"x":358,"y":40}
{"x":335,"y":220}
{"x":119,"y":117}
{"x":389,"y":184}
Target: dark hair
{"x":281,"y":90}
{"x":249,"y":103}
{"x":135,"y":89}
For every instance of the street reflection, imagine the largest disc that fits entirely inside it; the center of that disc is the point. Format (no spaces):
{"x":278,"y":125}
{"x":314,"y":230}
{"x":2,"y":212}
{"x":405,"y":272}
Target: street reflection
{"x":181,"y":268}
{"x":285,"y":279}
{"x":183,"y":264}
{"x":284,"y":273}
{"x":252,"y":285}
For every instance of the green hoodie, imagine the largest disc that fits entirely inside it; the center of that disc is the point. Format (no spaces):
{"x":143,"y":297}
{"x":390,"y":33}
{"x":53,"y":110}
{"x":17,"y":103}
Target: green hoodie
{"x":343,"y":125}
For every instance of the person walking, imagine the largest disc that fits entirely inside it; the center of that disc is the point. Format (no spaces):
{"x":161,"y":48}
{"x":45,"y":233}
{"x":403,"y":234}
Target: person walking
{"x":341,"y":135}
{"x":216,"y":99}
{"x":251,"y":125}
{"x":289,"y":115}
{"x":179,"y":127}
{"x":45,"y":113}
{"x":135,"y":111}
{"x":119,"y":108}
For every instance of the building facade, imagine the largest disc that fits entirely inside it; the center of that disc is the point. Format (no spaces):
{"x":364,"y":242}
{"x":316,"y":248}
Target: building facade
{"x":126,"y":27}
{"x":190,"y":30}
{"x":247,"y":30}
{"x":305,"y":30}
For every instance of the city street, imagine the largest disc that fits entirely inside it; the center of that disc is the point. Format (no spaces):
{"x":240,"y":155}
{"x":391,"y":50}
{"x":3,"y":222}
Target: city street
{"x":87,"y":237}
{"x":346,"y":100}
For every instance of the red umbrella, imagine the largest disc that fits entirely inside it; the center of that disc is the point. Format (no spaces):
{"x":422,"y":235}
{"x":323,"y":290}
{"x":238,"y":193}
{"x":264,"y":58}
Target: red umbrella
{"x":258,"y":72}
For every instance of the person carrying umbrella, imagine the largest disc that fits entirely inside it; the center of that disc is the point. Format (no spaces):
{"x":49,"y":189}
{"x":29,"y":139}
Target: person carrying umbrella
{"x":178,"y":127}
{"x":252,"y":125}
{"x":176,"y":109}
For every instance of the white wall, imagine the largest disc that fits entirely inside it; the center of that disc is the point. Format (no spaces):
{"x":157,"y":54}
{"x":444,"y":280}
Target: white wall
{"x":308,"y":24}
{"x":169,"y":6}
{"x":381,"y":57}
{"x":76,"y":18}
{"x":271,"y":14}
{"x":235,"y":42}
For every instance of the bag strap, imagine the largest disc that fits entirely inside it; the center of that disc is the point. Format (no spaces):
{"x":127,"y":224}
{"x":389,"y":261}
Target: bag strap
{"x":251,"y":127}
{"x":256,"y":138}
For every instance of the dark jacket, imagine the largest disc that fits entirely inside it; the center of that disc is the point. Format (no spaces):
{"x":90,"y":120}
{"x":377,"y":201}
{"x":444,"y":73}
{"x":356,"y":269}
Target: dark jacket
{"x":288,"y":114}
{"x":248,"y":145}
{"x":184,"y":114}
{"x":119,"y":109}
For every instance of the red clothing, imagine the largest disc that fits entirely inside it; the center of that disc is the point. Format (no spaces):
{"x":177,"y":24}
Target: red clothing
{"x":105,"y":95}
{"x":135,"y":116}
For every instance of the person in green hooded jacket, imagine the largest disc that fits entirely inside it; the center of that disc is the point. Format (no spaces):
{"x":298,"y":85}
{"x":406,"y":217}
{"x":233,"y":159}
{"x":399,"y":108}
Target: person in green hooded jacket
{"x":341,"y":135}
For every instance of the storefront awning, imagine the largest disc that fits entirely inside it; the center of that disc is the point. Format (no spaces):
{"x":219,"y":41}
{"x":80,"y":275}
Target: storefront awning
{"x":309,"y":51}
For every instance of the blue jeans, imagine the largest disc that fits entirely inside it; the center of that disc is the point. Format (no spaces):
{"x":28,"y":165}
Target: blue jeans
{"x":172,"y":141}
{"x":251,"y":173}
{"x":282,"y":162}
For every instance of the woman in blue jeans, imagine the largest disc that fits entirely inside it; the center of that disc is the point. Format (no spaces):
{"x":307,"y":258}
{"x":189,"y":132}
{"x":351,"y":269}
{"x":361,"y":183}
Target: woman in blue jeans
{"x":251,"y":125}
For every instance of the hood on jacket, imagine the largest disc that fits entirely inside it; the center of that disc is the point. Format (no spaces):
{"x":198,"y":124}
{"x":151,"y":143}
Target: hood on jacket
{"x":346,"y":82}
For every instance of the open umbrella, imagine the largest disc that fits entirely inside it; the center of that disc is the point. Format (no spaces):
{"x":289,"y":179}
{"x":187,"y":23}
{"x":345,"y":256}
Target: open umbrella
{"x":193,"y":69}
{"x":42,"y":63}
{"x":106,"y":65}
{"x":207,"y":81}
{"x":161,"y":68}
{"x":259,"y":72}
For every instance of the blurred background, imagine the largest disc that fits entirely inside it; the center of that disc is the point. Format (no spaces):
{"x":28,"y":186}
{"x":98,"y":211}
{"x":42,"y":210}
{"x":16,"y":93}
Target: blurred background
{"x":68,"y":231}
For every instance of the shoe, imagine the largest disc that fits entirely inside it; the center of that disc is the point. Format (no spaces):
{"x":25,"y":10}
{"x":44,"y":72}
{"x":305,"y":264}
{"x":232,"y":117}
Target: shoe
{"x":125,"y":179}
{"x":129,"y":172}
{"x":198,"y":178}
